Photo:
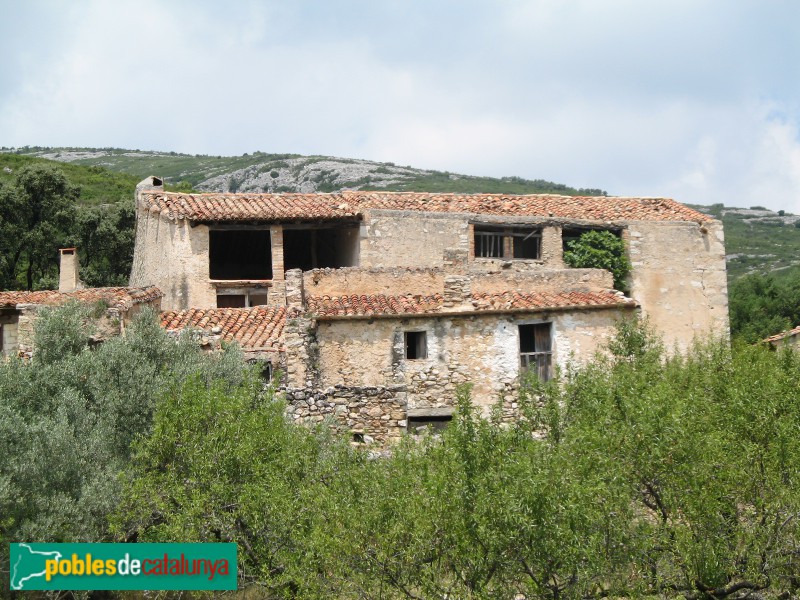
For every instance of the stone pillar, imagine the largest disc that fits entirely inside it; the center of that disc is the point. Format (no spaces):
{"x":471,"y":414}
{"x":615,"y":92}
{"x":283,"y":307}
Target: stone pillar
{"x":295,"y":296}
{"x":457,"y":292}
{"x":455,"y":260}
{"x":276,"y":241}
{"x":299,"y":335}
{"x":552,"y":248}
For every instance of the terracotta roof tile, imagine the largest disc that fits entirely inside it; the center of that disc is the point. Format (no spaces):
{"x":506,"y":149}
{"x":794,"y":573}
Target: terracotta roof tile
{"x":784,"y":334}
{"x":260,"y":327}
{"x":379,"y":305}
{"x":121,"y":298}
{"x":281,"y":207}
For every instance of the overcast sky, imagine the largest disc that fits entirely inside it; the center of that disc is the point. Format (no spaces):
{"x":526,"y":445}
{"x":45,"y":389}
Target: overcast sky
{"x":692,"y":99}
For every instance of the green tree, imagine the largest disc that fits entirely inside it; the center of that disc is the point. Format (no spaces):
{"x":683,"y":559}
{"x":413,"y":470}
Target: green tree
{"x":600,"y":250}
{"x":69,"y":416}
{"x":105,"y":237}
{"x":761,"y":305}
{"x":36,"y":214}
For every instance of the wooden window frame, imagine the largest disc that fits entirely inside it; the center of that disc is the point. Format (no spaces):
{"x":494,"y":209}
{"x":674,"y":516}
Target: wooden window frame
{"x":498,"y":242}
{"x":540,"y":358}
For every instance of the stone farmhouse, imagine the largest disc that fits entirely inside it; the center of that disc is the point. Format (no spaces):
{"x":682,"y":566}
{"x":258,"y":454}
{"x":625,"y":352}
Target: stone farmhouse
{"x":376,"y":306}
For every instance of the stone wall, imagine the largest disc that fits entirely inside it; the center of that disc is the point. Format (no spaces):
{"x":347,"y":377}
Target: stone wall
{"x":400,"y":280}
{"x":482,"y":350}
{"x":378,"y":413}
{"x":679,"y":278}
{"x":388,"y":281}
{"x":173,"y":255}
{"x":409,"y":238}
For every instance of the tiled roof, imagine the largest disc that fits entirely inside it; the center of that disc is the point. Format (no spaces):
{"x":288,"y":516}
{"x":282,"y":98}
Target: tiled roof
{"x":121,"y":298}
{"x":257,"y":328}
{"x":282,"y":207}
{"x":378,"y":305}
{"x":780,"y":336}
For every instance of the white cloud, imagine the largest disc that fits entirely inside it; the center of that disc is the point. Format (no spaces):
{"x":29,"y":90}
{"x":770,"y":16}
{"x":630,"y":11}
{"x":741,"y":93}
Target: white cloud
{"x":687,"y":99}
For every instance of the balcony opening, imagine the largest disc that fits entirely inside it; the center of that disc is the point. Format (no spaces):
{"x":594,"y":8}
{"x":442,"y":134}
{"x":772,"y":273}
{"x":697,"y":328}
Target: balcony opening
{"x":239,"y":254}
{"x":320,"y":247}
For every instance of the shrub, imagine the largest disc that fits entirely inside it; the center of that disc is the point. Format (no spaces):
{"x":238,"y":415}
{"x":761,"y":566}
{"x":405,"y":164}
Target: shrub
{"x":600,"y":250}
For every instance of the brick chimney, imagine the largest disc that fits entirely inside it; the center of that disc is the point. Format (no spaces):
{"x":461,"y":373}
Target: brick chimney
{"x":68,"y":272}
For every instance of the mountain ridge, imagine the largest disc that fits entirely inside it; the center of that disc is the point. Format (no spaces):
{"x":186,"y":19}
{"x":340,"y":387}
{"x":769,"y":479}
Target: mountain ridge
{"x":262,"y":172}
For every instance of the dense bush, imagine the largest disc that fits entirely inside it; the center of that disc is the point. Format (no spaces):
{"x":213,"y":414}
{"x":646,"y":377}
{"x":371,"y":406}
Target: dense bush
{"x":761,"y":305}
{"x":69,"y":416}
{"x":657,"y":476}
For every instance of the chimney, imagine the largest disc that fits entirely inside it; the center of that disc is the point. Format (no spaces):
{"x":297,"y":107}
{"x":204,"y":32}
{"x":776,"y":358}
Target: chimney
{"x":68,"y":273}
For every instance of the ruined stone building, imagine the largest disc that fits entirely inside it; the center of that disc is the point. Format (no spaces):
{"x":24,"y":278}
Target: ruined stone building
{"x":375,"y":306}
{"x":114,"y":307}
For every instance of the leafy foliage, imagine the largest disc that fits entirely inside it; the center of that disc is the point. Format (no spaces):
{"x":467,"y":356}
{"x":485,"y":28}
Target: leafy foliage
{"x":69,"y":416}
{"x":762,"y":305}
{"x":600,"y":250}
{"x":41,"y":211}
{"x":36,"y":211}
{"x":658,"y":477}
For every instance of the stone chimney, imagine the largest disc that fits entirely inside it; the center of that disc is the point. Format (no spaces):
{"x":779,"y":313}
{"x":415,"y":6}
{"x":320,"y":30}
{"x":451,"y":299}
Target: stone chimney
{"x":150,"y":183}
{"x":68,"y":280}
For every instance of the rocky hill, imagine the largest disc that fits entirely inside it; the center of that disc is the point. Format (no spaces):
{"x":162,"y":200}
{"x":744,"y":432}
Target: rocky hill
{"x":262,"y":172}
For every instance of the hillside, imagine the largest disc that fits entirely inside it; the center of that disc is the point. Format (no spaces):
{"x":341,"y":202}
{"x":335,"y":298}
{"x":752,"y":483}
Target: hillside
{"x":261,"y":172}
{"x":757,"y":240}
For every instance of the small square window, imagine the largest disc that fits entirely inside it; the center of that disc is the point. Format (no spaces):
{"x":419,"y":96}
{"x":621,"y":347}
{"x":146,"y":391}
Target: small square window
{"x":416,"y":345}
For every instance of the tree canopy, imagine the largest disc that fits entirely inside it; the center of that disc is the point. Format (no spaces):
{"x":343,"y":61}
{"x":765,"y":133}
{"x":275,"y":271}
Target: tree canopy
{"x":600,"y":250}
{"x":37,"y":210}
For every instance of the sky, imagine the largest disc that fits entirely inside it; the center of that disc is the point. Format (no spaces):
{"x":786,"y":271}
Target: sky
{"x":698,"y":100}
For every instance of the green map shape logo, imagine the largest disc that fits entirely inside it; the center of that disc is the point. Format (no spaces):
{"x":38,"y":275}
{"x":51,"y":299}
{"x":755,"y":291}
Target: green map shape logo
{"x":29,"y":564}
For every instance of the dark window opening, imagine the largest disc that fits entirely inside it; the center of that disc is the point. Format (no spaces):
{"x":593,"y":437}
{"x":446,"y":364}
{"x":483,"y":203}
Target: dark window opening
{"x":536,"y":349}
{"x":434,"y":422}
{"x":416,"y":345}
{"x":231,"y":301}
{"x":266,"y":371}
{"x":527,"y":246}
{"x":326,"y":248}
{"x":242,"y":298}
{"x":509,"y":243}
{"x":242,"y":254}
{"x":257,"y":299}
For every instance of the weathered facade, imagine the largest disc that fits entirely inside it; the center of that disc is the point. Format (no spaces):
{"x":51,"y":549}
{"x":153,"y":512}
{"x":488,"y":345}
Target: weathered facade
{"x":115,"y":307}
{"x":377,"y":305}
